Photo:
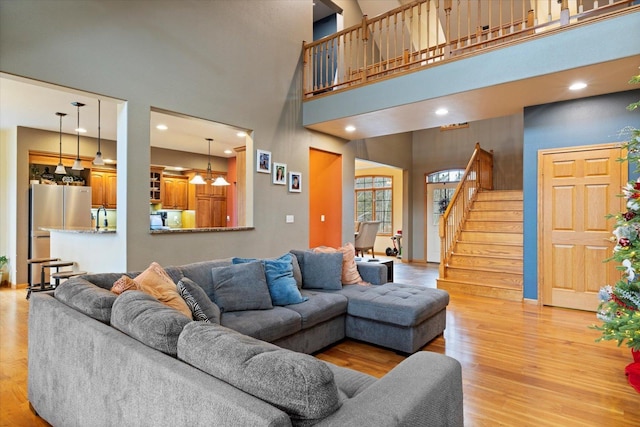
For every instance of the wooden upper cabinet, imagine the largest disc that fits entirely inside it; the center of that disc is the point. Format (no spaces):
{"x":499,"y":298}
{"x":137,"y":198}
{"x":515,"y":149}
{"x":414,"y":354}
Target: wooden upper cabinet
{"x":155,"y":185}
{"x":175,"y":193}
{"x":104,"y":188}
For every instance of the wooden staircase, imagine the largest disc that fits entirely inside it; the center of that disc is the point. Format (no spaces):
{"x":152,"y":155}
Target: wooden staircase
{"x":487,"y":257}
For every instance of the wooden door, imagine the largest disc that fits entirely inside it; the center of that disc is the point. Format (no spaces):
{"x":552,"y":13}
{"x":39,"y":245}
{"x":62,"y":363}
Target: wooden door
{"x":580,"y":186}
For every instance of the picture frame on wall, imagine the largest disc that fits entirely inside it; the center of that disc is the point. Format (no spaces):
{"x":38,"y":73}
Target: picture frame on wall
{"x":263,"y":161}
{"x":295,"y":182}
{"x":279,"y":173}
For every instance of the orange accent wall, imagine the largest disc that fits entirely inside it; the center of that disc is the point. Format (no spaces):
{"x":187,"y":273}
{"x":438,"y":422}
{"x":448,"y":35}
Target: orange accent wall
{"x":325,"y":198}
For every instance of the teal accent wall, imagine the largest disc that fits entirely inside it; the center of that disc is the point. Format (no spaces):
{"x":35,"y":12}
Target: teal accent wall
{"x":586,"y":121}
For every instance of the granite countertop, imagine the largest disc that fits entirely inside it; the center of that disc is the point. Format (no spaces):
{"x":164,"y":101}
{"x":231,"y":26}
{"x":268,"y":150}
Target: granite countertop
{"x":81,"y":230}
{"x":199,"y":230}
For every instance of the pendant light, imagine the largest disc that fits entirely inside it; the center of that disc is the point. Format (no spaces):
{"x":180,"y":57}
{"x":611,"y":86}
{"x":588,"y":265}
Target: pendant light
{"x":77,"y":165}
{"x":60,"y":169}
{"x":220,"y":181}
{"x":198,"y":178}
{"x":98,"y":159}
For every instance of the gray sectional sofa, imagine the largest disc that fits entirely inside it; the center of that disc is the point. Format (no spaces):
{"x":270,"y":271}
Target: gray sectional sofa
{"x":100,"y":359}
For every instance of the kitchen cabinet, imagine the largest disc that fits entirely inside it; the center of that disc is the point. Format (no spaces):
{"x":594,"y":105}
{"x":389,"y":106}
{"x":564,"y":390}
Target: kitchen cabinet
{"x":211,"y":212}
{"x":175,"y":192}
{"x":155,"y":182}
{"x":104,"y":188}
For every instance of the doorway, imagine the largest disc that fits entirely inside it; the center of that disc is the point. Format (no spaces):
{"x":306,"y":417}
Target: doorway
{"x":579,"y":188}
{"x":325,"y":199}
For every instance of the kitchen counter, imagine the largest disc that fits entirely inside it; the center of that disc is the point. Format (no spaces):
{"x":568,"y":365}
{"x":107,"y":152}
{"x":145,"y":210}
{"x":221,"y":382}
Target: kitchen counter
{"x":81,"y":230}
{"x":199,"y":230}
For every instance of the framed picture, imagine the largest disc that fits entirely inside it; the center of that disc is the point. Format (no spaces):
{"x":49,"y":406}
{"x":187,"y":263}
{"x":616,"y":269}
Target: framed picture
{"x":295,"y":182}
{"x":263,"y":163}
{"x":279,"y":173}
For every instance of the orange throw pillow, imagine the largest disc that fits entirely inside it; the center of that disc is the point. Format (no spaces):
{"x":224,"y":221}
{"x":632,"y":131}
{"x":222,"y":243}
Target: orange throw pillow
{"x":125,"y":283}
{"x":350,"y":274}
{"x":157,"y":283}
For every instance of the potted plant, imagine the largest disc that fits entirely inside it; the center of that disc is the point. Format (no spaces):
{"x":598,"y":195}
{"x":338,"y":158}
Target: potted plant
{"x":619,"y":308}
{"x":3,"y":261}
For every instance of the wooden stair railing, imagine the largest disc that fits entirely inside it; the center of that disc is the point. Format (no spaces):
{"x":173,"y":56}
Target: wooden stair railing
{"x":477,"y":176}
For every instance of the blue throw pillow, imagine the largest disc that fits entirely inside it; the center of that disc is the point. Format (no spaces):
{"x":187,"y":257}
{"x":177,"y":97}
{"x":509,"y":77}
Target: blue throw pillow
{"x":279,"y":273}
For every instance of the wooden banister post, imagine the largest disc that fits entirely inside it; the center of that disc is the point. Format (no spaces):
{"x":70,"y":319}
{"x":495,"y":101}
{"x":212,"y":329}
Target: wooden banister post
{"x":365,"y":37}
{"x":447,"y":9}
{"x":564,"y":13}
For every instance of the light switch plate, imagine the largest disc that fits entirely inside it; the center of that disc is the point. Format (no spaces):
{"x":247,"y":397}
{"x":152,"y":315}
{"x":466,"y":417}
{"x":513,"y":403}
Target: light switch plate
{"x":289,"y":219}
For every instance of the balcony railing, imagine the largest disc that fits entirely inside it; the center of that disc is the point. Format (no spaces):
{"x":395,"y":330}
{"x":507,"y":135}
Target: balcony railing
{"x":428,"y":32}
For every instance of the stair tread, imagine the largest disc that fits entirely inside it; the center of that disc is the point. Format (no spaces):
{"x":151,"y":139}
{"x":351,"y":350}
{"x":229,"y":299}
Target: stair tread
{"x":476,"y":268}
{"x":497,"y":285}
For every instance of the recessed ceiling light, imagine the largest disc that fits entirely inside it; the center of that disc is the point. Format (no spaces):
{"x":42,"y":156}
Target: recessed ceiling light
{"x":162,"y":127}
{"x":578,"y":86}
{"x":228,"y":152}
{"x":350,"y":128}
{"x":241,"y":134}
{"x":442,"y":111}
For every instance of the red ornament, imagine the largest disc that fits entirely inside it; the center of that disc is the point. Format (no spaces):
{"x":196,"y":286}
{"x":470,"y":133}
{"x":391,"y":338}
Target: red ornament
{"x":629,"y":215}
{"x":624,"y":242}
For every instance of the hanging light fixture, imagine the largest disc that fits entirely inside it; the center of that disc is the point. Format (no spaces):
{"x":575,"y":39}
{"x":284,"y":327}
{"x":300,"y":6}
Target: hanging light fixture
{"x":77,"y":165}
{"x":198,"y":180}
{"x":60,"y":169}
{"x":220,"y":181}
{"x":98,"y":159}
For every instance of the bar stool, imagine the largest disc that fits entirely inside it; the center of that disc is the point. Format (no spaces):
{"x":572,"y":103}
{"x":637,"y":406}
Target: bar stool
{"x":43,"y":286}
{"x":66,"y":275}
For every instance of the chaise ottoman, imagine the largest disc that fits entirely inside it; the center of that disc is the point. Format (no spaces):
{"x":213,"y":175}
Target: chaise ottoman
{"x":394,"y":315}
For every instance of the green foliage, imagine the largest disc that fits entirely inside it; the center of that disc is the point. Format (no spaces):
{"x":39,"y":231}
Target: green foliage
{"x":3,"y":261}
{"x":619,"y":308}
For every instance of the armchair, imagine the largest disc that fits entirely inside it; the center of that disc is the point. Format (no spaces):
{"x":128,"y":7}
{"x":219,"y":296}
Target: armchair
{"x":366,"y":237}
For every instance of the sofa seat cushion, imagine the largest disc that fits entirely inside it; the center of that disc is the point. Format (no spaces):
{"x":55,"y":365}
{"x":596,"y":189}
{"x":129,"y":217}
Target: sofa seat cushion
{"x":320,"y":307}
{"x":87,"y":298}
{"x":266,"y":325}
{"x":395,"y":303}
{"x":297,"y":383}
{"x":149,"y":321}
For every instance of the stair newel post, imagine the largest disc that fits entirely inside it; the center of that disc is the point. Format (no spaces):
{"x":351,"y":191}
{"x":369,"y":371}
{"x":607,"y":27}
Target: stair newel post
{"x":443,"y":245}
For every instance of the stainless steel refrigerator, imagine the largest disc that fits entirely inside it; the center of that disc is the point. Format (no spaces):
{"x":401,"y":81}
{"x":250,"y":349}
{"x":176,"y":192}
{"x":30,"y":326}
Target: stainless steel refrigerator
{"x":55,"y":206}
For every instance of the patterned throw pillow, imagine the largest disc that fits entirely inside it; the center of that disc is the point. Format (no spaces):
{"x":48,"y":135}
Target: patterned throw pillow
{"x":125,"y":283}
{"x":196,"y":311}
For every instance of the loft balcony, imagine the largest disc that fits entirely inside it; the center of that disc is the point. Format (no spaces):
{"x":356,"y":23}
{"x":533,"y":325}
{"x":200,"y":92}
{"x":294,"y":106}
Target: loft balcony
{"x":482,"y":58}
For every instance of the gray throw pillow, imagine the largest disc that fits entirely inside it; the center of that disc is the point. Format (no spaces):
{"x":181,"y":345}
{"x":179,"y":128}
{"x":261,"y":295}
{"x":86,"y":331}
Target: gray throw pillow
{"x":149,"y":321}
{"x":322,"y":270}
{"x":240,"y":287}
{"x":297,"y":383}
{"x":196,"y":298}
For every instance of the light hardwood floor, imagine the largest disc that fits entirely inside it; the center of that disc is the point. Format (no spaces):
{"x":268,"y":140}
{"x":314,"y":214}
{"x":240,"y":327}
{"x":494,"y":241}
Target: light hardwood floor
{"x":522,"y":365}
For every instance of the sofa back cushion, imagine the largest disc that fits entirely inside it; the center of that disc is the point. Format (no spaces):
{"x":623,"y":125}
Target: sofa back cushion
{"x":146,"y":319}
{"x":297,"y":383}
{"x":322,"y":270}
{"x":281,"y":282}
{"x":200,"y":272}
{"x":87,"y":298}
{"x":240,"y":287}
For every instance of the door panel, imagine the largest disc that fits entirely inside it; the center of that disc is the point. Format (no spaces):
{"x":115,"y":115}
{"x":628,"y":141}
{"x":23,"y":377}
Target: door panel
{"x":580,"y":187}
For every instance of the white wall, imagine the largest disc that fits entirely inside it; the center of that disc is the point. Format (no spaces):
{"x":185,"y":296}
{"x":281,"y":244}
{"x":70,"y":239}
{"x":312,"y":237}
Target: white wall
{"x":235,"y":62}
